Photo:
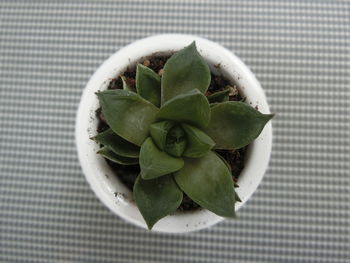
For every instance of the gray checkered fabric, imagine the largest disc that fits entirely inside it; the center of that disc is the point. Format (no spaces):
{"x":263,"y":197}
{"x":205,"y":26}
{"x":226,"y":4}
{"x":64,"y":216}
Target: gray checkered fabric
{"x":299,"y":51}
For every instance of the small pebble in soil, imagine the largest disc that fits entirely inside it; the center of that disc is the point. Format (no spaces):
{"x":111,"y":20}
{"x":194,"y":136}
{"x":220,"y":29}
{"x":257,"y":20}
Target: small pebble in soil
{"x":233,"y":90}
{"x":146,"y":63}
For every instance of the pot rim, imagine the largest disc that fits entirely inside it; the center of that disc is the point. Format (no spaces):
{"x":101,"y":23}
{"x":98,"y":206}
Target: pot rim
{"x":109,"y":189}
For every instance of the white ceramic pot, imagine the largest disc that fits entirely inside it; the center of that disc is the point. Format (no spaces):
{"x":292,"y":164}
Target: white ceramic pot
{"x":106,"y":184}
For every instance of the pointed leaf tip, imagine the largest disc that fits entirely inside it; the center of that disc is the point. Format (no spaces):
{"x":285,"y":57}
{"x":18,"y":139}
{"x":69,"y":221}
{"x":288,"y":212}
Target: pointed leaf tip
{"x":270,"y":116}
{"x":117,"y":144}
{"x":220,"y":96}
{"x":125,"y":84}
{"x":193,"y":44}
{"x":156,"y":198}
{"x":186,"y":70}
{"x":112,"y":156}
{"x":235,"y":124}
{"x":198,"y":143}
{"x":148,"y":84}
{"x":237,"y":197}
{"x":208,"y":182}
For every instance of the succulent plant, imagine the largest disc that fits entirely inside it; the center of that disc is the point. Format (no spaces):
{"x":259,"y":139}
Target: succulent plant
{"x":171,"y":129}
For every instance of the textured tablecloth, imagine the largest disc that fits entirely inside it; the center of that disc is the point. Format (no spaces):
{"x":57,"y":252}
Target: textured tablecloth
{"x":299,"y":51}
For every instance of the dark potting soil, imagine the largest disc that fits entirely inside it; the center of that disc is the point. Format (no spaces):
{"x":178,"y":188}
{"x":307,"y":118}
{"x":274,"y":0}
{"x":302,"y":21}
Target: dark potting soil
{"x":128,"y":173}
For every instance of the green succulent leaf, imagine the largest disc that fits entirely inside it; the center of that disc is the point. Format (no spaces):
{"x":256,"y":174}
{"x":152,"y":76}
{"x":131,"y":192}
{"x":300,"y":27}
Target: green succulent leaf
{"x":235,"y":124}
{"x":159,"y":132}
{"x":176,"y":141}
{"x":225,"y":162}
{"x":191,"y":107}
{"x":156,"y":198}
{"x":186,"y":70}
{"x":117,"y":144}
{"x":220,"y":96}
{"x":125,"y":84}
{"x":155,"y":163}
{"x":237,"y":197}
{"x":208,"y":182}
{"x":198,"y":143}
{"x":148,"y":84}
{"x":110,"y":155}
{"x":127,"y":114}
